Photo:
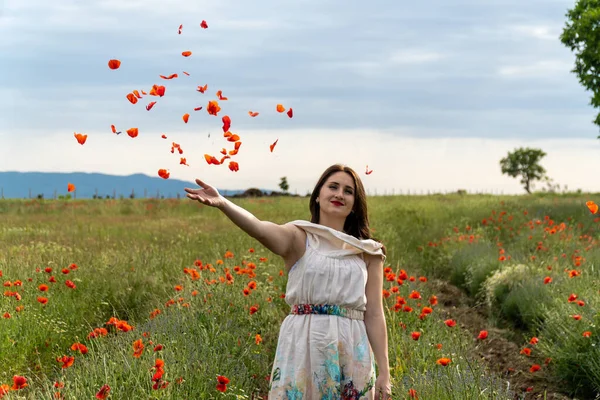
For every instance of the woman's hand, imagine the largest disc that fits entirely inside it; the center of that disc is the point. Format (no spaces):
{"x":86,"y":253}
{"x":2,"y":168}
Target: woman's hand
{"x":207,"y":195}
{"x":383,"y":388}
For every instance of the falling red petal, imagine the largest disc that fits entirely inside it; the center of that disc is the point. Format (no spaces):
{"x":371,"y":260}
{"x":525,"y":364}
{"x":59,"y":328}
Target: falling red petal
{"x":114,"y":64}
{"x":81,"y":138}
{"x":226,"y":123}
{"x":234,"y":166}
{"x":163,"y":173}
{"x":157,"y":90}
{"x":220,"y":95}
{"x":132,"y":99}
{"x":132,"y":132}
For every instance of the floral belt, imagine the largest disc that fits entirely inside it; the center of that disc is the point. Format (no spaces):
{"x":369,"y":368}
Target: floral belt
{"x":329,"y":309}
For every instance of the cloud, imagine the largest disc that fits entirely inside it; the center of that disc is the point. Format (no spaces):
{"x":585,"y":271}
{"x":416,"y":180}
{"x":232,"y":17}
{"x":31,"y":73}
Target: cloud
{"x":415,"y":56}
{"x":543,"y":68}
{"x":543,"y":32}
{"x":383,"y":64}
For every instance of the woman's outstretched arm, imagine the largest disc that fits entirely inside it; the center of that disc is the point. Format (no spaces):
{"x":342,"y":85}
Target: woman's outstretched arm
{"x":277,"y":238}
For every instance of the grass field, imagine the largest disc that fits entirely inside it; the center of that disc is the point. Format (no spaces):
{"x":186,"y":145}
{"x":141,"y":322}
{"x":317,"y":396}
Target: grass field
{"x":129,"y":282}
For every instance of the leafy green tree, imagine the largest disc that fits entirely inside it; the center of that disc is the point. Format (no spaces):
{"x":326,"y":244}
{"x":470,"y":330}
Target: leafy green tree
{"x":283,"y":185}
{"x":524,"y":162}
{"x":582,"y":35}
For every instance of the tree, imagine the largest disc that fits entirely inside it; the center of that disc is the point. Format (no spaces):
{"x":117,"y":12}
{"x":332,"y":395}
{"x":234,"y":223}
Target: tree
{"x":283,"y":185}
{"x":582,"y":36}
{"x":524,"y":162}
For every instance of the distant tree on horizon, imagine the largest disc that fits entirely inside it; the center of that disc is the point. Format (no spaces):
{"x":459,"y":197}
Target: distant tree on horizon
{"x":524,"y":162}
{"x":283,"y":185}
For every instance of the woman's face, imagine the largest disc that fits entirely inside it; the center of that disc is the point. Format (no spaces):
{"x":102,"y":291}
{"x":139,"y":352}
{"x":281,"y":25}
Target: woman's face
{"x":337,"y":194}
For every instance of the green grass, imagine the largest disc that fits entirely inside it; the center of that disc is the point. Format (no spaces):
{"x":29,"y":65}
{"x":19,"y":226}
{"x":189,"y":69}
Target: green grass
{"x":514,"y":289}
{"x":131,"y":254}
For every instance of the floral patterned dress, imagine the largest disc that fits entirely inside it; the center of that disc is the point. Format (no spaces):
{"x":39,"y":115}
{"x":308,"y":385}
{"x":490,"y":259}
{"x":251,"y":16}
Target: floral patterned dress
{"x":326,"y":356}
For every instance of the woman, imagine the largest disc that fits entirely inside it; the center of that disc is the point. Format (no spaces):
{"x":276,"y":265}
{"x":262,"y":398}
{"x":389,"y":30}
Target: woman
{"x":335,"y":270}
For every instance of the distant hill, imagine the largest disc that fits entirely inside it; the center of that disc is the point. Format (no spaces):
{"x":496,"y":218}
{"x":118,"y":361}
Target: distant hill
{"x":49,"y":184}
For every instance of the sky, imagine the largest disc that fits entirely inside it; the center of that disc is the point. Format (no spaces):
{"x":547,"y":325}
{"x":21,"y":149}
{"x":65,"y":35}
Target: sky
{"x":429,"y":95}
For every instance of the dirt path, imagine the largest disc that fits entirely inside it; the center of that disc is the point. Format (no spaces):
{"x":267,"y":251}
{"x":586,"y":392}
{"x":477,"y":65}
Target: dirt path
{"x":501,"y":354}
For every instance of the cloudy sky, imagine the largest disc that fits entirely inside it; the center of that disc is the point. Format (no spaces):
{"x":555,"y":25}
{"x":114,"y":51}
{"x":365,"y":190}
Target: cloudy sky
{"x":430,"y":95}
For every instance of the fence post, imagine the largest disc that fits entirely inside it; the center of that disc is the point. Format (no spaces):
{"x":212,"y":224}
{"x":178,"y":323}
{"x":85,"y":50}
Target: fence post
{"x":114,"y":194}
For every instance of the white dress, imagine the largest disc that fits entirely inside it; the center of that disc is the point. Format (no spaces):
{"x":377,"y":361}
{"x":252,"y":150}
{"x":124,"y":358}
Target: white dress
{"x":322,"y":356}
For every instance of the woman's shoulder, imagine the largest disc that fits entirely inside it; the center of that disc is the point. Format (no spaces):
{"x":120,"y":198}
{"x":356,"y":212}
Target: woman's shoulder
{"x":366,"y":245}
{"x":302,"y":222}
